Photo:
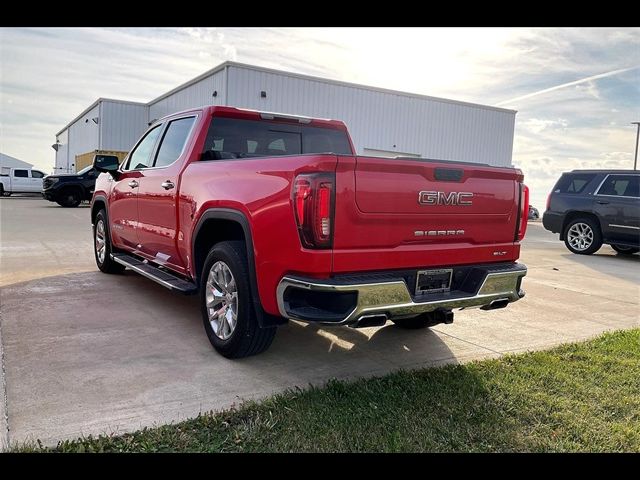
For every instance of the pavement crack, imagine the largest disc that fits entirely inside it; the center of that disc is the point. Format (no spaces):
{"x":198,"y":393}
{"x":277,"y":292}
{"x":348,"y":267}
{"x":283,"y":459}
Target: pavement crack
{"x":470,"y":343}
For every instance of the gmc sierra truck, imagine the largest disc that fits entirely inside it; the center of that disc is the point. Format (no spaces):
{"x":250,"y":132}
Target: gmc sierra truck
{"x":270,"y":217}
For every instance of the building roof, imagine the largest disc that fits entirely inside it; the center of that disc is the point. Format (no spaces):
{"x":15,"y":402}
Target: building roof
{"x":226,"y":64}
{"x":9,"y":161}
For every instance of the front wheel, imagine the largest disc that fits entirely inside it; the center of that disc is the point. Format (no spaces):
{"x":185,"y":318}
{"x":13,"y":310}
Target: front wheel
{"x":625,"y":250}
{"x":582,"y":236}
{"x":69,"y":199}
{"x":102,"y":246}
{"x":228,"y":313}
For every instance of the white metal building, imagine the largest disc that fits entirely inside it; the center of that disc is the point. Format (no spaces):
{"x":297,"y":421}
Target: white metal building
{"x":381,"y":122}
{"x":7,"y":161}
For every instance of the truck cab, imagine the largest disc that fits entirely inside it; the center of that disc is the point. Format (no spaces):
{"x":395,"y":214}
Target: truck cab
{"x":20,"y":180}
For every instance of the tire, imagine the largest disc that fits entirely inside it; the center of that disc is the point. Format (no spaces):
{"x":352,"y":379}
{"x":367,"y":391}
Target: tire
{"x":625,"y":250}
{"x":2,"y":192}
{"x":224,"y":284}
{"x":582,"y":236}
{"x":70,"y":198}
{"x":103,"y":255}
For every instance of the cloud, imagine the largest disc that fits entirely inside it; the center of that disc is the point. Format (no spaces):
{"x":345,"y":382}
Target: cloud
{"x":589,"y":79}
{"x":575,"y":89}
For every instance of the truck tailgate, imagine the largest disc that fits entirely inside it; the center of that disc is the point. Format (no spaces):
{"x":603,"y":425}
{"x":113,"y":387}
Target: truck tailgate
{"x":401,"y":213}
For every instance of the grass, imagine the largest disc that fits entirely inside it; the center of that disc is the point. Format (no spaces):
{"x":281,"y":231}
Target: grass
{"x":577,"y":397}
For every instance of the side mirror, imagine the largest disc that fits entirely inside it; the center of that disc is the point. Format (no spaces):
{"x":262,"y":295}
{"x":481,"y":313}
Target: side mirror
{"x":106,"y":163}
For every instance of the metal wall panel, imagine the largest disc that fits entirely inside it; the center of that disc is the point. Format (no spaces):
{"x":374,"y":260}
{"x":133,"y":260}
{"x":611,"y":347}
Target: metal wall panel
{"x":121,"y":125}
{"x":377,"y":120}
{"x":62,"y":152}
{"x":81,"y":137}
{"x":197,"y":95}
{"x":382,"y":120}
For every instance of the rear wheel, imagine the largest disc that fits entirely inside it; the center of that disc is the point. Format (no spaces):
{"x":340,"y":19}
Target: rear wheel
{"x":102,"y":246}
{"x":2,"y":192}
{"x":228,"y":313}
{"x":625,"y":250}
{"x":582,"y":236}
{"x":69,"y":198}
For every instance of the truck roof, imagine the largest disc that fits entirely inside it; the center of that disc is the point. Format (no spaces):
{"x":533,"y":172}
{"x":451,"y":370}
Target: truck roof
{"x":249,"y":114}
{"x":603,"y":170}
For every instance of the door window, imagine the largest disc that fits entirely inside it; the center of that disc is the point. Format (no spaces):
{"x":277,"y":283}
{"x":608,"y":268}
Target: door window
{"x":621,"y":186}
{"x":21,"y":173}
{"x":36,"y":174}
{"x":173,"y":141}
{"x":141,"y":156}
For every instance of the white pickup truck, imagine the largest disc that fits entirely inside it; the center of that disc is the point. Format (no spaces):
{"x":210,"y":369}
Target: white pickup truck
{"x":20,"y":180}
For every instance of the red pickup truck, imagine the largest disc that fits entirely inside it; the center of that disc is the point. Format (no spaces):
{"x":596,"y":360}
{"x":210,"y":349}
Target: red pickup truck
{"x":270,"y":217}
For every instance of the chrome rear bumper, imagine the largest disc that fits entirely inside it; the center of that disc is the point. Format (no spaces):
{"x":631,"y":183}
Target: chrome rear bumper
{"x":392,"y":299}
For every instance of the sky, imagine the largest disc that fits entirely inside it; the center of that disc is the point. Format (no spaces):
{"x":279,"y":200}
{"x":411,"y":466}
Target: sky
{"x":576,"y":90}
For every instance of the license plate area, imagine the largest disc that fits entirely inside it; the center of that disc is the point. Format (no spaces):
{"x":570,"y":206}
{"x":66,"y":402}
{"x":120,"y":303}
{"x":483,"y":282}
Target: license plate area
{"x":433,"y":281}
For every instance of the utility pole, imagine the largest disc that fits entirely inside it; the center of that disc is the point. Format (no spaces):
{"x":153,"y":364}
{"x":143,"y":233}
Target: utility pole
{"x":635,"y":161}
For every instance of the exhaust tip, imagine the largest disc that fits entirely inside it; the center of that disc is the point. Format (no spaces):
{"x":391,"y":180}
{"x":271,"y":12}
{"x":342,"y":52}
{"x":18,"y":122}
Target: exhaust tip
{"x":500,"y":303}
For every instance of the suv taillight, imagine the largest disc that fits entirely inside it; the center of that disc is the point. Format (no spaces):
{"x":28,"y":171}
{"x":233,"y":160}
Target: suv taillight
{"x":313,"y":205}
{"x":524,"y":212}
{"x":549,"y":201}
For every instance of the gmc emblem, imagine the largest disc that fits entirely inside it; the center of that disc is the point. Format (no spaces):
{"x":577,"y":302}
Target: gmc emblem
{"x":442,"y":198}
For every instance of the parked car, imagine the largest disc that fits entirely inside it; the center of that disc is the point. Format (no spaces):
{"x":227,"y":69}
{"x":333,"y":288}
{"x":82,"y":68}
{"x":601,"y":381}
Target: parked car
{"x":70,"y":189}
{"x":20,"y":180}
{"x":270,"y":217}
{"x":533,"y":213}
{"x":591,"y":207}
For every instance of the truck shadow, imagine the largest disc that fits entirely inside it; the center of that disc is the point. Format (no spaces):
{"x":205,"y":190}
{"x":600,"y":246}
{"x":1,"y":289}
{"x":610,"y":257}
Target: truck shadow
{"x":623,"y":267}
{"x":109,"y":351}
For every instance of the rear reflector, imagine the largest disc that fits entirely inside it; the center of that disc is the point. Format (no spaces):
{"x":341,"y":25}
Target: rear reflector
{"x":524,"y":212}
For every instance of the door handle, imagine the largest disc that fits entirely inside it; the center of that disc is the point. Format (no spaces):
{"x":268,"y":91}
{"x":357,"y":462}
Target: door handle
{"x":603,"y":202}
{"x":133,"y":184}
{"x":167,"y":185}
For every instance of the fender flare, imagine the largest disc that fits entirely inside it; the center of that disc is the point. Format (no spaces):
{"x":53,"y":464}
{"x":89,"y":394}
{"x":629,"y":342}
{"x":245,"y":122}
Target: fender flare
{"x":103,"y":199}
{"x":265,"y":319}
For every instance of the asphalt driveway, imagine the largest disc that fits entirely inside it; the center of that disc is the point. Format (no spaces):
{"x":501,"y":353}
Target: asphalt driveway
{"x":88,"y":353}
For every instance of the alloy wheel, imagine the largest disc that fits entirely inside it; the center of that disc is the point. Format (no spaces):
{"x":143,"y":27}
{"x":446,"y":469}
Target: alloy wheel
{"x":222,"y":300}
{"x":580,"y":236}
{"x":101,"y":246}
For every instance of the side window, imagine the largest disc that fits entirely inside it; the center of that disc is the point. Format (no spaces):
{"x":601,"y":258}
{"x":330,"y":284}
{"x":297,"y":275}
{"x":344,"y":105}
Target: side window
{"x":573,"y":183}
{"x":621,"y":186}
{"x":36,"y":174}
{"x":21,"y":173}
{"x":173,"y":141}
{"x":141,"y":156}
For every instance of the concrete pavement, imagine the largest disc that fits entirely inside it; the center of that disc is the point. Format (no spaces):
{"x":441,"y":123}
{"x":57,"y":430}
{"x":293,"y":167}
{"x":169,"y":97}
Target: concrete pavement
{"x":88,"y":353}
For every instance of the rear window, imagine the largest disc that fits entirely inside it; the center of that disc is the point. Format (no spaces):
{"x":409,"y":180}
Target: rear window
{"x":20,"y":173}
{"x":229,"y":138}
{"x":573,"y":183}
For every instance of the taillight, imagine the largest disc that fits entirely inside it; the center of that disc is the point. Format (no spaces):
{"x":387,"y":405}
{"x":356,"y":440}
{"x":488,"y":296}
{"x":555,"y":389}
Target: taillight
{"x":524,"y":212}
{"x":313,"y":204}
{"x":549,"y":202}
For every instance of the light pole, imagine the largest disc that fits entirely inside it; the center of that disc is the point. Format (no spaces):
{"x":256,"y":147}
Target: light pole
{"x":635,"y":161}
